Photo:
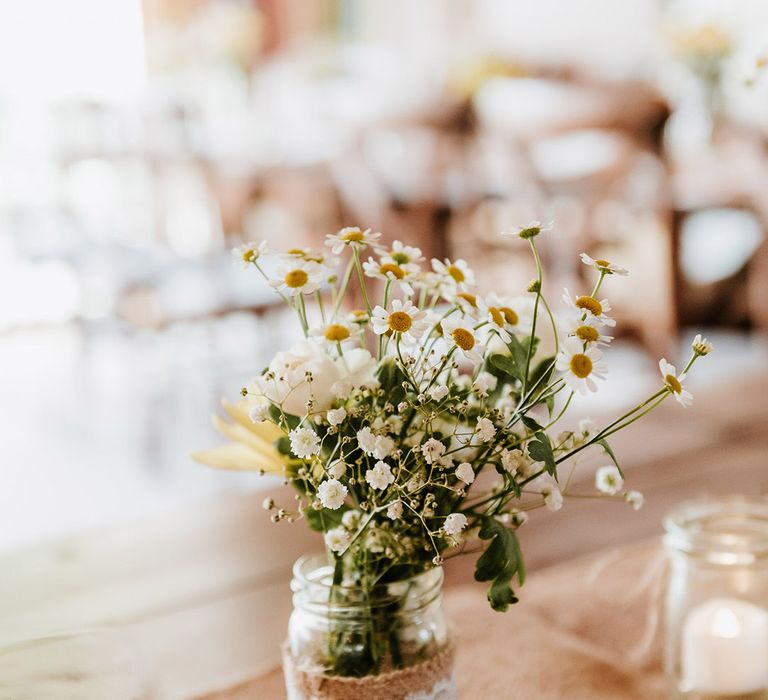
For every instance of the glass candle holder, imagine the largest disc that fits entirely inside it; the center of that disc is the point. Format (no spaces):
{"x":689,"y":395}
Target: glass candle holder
{"x":717,"y":600}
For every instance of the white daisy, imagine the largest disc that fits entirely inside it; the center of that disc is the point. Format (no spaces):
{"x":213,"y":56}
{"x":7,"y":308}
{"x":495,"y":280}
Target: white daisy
{"x":304,"y":442}
{"x":380,"y":476}
{"x":530,"y":230}
{"x":406,"y":256}
{"x":674,"y":383}
{"x":388,"y":271}
{"x":604,"y":266}
{"x":587,"y":330}
{"x":585,"y":306}
{"x":310,"y":255}
{"x":467,"y":303}
{"x":351,"y":236}
{"x":461,"y":335}
{"x":404,"y":319}
{"x":299,"y":277}
{"x":465,"y":473}
{"x":580,"y":366}
{"x":457,"y":273}
{"x":701,"y":346}
{"x":332,"y":333}
{"x":608,"y":479}
{"x":249,"y":253}
{"x":332,"y":494}
{"x":507,"y":315}
{"x":454,"y":524}
{"x":337,"y":539}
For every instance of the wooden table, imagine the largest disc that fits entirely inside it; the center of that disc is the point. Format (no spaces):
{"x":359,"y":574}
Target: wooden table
{"x":194,"y":604}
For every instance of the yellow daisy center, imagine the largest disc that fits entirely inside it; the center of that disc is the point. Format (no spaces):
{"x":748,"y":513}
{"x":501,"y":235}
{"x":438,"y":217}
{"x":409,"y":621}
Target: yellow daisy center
{"x":294,"y":251}
{"x":399,"y":258}
{"x":336,"y":333}
{"x":496,"y":315}
{"x":581,"y":365}
{"x":353,"y":236}
{"x":471,"y":299}
{"x":587,"y":334}
{"x":602,"y":263}
{"x":249,"y":255}
{"x":296,"y":279}
{"x":463,"y":338}
{"x":590,"y":304}
{"x":399,"y":321}
{"x":673,"y":383}
{"x":456,"y":273}
{"x":510,"y":315}
{"x":396,"y":270}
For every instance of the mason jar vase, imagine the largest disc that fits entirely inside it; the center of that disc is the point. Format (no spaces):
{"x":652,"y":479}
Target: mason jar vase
{"x":345,"y":635}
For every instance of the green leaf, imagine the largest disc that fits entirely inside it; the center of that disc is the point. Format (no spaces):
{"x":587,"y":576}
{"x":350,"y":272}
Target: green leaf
{"x":543,"y":371}
{"x":324,"y":519}
{"x":506,"y":364}
{"x":391,"y":378}
{"x":499,"y":563}
{"x":279,"y":418}
{"x":519,"y":353}
{"x":531,"y":424}
{"x":283,"y":446}
{"x":609,"y":451}
{"x":540,"y":450}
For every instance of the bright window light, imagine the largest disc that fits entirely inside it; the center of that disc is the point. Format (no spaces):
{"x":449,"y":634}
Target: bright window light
{"x":71,"y":49}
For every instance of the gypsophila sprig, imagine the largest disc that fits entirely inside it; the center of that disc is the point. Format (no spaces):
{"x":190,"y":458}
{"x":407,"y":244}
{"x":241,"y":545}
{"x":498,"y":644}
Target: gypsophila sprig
{"x":434,"y":415}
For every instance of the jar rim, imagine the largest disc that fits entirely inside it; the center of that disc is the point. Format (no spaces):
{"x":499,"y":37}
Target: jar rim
{"x":725,"y":531}
{"x":314,"y":573}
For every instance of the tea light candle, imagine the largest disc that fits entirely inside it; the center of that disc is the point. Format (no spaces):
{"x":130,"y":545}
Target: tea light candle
{"x":725,"y":648}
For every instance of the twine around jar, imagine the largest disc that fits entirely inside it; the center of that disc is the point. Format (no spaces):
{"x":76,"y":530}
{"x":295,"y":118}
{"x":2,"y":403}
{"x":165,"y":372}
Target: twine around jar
{"x":429,"y":680}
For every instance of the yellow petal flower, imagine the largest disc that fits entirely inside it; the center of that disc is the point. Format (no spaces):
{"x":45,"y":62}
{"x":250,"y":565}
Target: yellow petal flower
{"x":238,"y":457}
{"x":252,"y":446}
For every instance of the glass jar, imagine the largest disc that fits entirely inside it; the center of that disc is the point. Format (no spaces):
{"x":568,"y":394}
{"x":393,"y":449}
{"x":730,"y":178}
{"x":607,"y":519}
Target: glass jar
{"x":349,"y":631}
{"x":717,"y":600}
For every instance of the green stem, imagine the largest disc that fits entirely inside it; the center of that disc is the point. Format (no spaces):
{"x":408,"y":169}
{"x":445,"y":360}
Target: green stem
{"x":343,"y":286}
{"x":361,"y":277}
{"x":539,"y":276}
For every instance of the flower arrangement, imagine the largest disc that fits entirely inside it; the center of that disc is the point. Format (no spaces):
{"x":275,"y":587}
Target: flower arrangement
{"x":445,"y":438}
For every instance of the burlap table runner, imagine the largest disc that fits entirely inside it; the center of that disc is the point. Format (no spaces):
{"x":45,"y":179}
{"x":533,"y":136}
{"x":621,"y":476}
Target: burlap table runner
{"x":585,"y":630}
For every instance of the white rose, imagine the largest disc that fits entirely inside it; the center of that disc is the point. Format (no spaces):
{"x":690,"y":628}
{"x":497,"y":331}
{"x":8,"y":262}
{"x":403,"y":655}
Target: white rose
{"x":290,"y":386}
{"x":357,"y":368}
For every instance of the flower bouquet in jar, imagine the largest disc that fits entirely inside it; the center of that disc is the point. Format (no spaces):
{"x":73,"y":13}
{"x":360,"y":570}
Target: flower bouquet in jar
{"x":424,"y":425}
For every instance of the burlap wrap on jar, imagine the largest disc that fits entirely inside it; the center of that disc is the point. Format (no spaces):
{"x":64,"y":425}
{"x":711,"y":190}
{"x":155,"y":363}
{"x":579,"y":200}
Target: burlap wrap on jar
{"x":430,"y":680}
